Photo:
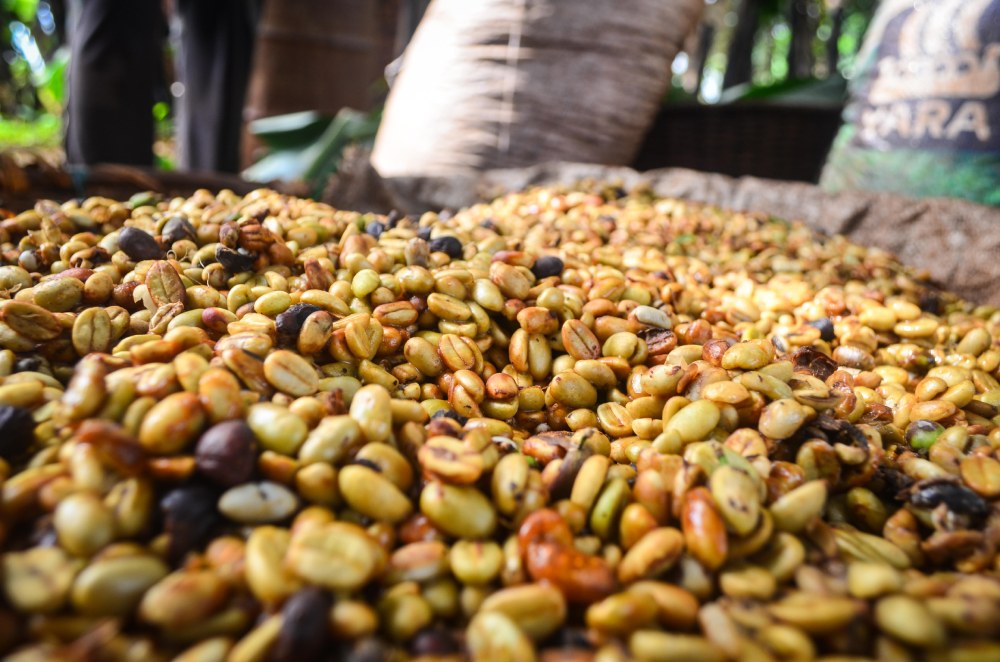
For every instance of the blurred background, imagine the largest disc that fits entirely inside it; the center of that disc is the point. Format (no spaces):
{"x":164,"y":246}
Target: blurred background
{"x":757,"y":88}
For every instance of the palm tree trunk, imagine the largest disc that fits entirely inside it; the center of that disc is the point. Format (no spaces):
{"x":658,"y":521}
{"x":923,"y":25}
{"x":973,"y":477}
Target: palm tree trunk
{"x":800,"y":55}
{"x":832,"y":47}
{"x":739,"y":68}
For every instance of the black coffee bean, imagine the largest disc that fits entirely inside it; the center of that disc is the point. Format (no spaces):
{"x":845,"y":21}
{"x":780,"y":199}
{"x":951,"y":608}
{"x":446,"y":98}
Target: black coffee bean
{"x":424,"y":233}
{"x":178,"y":228}
{"x":957,"y":498}
{"x":562,"y":485}
{"x":448,"y":245}
{"x":139,"y":245}
{"x":28,"y":364}
{"x":42,"y":533}
{"x":811,"y":360}
{"x":304,"y":629}
{"x":375,"y":229}
{"x":547,"y":266}
{"x":825,"y":327}
{"x":227,"y":453}
{"x":930,"y":302}
{"x":366,"y":650}
{"x":453,"y":415}
{"x":570,"y":638}
{"x":17,"y":431}
{"x":435,"y":642}
{"x":189,"y":516}
{"x":289,"y":323}
{"x":392,"y":219}
{"x":234,"y":261}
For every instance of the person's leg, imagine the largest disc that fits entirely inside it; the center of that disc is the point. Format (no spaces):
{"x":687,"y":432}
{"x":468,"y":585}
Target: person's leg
{"x":215,"y":52}
{"x":116,"y":53}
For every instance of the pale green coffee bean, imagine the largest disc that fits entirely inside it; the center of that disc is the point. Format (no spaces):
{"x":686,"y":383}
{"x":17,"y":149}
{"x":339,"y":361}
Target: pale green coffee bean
{"x":492,"y":635}
{"x":371,"y":408}
{"x":656,"y":646}
{"x":537,"y":609}
{"x":337,"y":556}
{"x":269,"y":579}
{"x":83,"y":523}
{"x":782,"y":418}
{"x":372,"y":494}
{"x":794,"y":510}
{"x":332,"y":441}
{"x":59,"y":295}
{"x":459,"y":511}
{"x":114,"y":586}
{"x":737,"y":497}
{"x":38,"y":580}
{"x":910,"y":621}
{"x":258,"y":503}
{"x":277,"y":428}
{"x":694,"y":421}
{"x":365,"y":282}
{"x":272,"y":304}
{"x":475,"y":562}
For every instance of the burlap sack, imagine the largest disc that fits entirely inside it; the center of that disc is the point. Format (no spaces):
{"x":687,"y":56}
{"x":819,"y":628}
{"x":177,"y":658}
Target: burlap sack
{"x":508,"y":83}
{"x":924,"y":115}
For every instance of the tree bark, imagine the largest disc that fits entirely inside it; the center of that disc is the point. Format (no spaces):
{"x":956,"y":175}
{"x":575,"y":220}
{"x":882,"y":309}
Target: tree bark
{"x":832,"y":48}
{"x":800,"y":55}
{"x":706,"y":35}
{"x":739,"y":67}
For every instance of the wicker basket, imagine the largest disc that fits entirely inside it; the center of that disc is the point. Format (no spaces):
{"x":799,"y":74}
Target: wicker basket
{"x":763,"y":140}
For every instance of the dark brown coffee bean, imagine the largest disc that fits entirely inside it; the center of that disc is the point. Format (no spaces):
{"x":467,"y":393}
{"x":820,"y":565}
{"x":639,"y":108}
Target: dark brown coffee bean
{"x":449,"y":245}
{"x":365,"y":650}
{"x":189,"y":516}
{"x":29,"y":364}
{"x":658,"y":341}
{"x":713,"y":350}
{"x":304,"y":629}
{"x":17,"y":431}
{"x":547,"y":266}
{"x":289,"y":323}
{"x":234,"y":261}
{"x":139,"y":245}
{"x":123,"y":295}
{"x":178,"y":228}
{"x":958,"y":498}
{"x":435,"y":642}
{"x":811,"y":360}
{"x":227,"y":453}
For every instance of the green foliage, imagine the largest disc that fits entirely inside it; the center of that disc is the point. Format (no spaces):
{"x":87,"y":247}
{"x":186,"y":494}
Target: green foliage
{"x":32,"y":75}
{"x":809,"y":92}
{"x":50,"y":86}
{"x":308,"y":147}
{"x":833,"y":32}
{"x":44,"y":131}
{"x":24,"y":10}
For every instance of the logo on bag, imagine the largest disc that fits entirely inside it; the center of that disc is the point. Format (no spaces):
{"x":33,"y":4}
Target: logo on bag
{"x":937,"y":78}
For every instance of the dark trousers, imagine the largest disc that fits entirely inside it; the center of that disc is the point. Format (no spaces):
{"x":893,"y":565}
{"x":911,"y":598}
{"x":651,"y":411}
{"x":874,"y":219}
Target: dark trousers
{"x":117,"y":61}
